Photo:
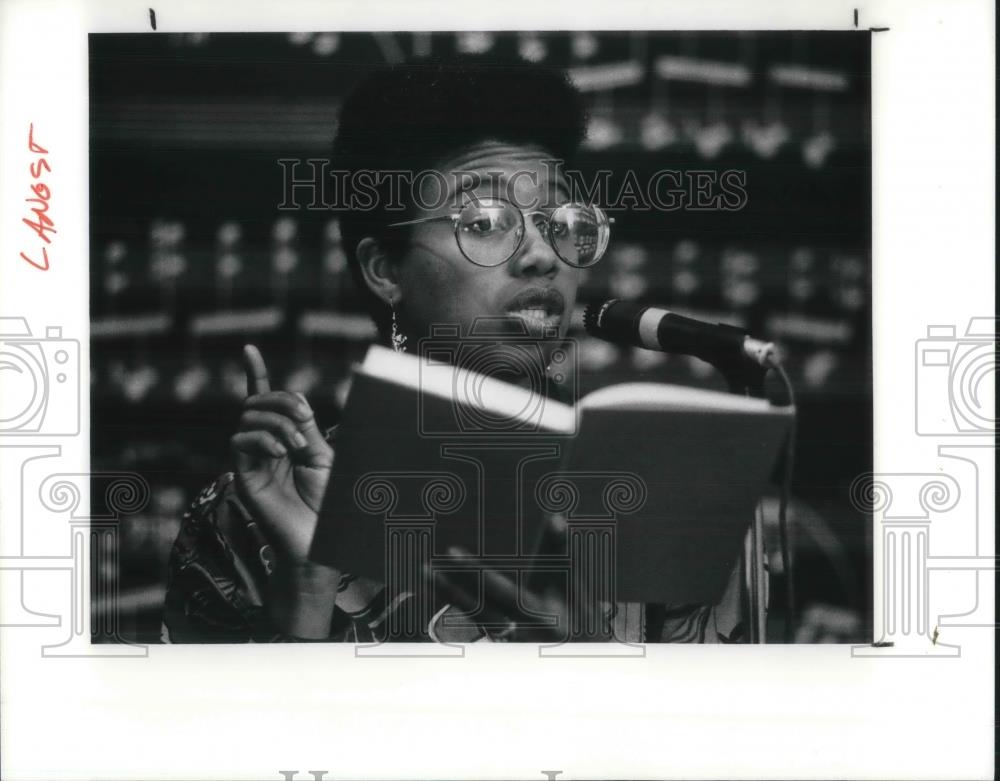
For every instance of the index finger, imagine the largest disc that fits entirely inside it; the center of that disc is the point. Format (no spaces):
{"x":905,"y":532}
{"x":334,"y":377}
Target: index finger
{"x":257,"y":381}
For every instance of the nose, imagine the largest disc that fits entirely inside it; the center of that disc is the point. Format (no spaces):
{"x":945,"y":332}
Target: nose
{"x":535,"y":256}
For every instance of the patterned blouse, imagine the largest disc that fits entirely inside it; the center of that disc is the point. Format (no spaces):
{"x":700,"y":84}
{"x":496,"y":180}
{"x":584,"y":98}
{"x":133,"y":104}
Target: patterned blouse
{"x":221,"y":562}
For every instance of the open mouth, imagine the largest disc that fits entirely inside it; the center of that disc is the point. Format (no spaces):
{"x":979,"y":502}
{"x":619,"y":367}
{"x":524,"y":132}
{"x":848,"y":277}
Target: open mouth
{"x":539,"y":309}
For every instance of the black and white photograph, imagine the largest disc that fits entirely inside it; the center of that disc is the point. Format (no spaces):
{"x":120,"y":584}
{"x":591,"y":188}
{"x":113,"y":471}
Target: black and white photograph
{"x":673,"y":227}
{"x":404,"y":389}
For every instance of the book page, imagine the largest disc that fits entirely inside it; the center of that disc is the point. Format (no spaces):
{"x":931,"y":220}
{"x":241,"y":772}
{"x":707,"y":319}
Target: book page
{"x":649,"y":395}
{"x":501,"y":399}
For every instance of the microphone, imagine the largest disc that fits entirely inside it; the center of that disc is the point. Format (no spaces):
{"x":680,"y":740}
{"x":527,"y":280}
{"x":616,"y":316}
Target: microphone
{"x":639,"y":325}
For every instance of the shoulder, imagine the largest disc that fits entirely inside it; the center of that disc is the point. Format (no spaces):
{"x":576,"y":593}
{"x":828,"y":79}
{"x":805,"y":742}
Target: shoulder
{"x":218,"y":516}
{"x":217,"y":571}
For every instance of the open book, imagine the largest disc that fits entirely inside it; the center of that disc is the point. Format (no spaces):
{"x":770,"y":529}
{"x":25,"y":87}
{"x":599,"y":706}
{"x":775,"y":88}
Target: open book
{"x":659,"y":482}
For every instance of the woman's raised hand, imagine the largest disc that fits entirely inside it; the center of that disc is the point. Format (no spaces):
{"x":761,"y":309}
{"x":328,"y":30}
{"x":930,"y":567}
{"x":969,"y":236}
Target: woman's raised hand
{"x":283,"y":462}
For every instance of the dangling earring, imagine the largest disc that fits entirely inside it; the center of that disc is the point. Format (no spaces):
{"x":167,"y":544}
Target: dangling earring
{"x":398,"y":339}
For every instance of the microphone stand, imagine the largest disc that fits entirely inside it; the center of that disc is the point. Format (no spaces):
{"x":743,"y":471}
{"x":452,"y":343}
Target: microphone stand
{"x":743,"y":376}
{"x":729,"y":352}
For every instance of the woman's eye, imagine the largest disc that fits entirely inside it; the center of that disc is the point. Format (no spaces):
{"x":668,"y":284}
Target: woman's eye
{"x":484,"y":222}
{"x":559,"y":229}
{"x":478,"y":226}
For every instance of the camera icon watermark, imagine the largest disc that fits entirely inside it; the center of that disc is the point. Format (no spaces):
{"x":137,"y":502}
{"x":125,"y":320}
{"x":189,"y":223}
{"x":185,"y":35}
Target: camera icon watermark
{"x":473,"y":375}
{"x":561,"y":578}
{"x":955,"y":380}
{"x":40,"y":381}
{"x":91,"y":564}
{"x":905,"y":505}
{"x":954,"y":395}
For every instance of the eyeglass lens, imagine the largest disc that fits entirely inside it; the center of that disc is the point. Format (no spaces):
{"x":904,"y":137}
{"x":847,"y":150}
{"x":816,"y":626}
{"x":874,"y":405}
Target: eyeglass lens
{"x":490,"y":232}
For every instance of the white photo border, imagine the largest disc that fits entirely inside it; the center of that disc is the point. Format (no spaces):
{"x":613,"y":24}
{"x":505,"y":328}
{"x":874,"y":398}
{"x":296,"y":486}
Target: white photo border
{"x":250,"y":712}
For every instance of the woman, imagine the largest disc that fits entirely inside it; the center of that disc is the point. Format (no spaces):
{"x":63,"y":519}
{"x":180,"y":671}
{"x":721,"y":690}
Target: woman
{"x":494,"y":233}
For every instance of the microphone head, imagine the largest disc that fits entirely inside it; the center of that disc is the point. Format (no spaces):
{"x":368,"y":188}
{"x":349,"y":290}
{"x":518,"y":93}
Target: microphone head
{"x":593,"y":316}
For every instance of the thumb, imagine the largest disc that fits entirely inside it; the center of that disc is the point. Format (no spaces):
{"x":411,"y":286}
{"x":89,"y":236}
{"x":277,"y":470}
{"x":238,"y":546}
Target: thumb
{"x":244,"y":461}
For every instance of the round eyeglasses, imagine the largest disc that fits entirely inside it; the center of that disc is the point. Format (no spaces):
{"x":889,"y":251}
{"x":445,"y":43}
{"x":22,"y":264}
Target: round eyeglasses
{"x":490,"y":231}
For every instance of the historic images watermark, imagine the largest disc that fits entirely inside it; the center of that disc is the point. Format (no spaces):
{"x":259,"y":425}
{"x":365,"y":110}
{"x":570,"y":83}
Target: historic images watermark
{"x":495,"y":348}
{"x":41,"y":381}
{"x":954,"y":404}
{"x":40,"y":403}
{"x":540,"y":562}
{"x":312,"y":184}
{"x":954,"y":380}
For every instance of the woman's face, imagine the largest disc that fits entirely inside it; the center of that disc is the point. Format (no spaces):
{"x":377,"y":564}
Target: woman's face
{"x":534,"y":292}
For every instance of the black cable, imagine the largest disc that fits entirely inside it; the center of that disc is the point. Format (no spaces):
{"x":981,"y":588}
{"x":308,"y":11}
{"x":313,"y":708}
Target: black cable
{"x":786,"y":489}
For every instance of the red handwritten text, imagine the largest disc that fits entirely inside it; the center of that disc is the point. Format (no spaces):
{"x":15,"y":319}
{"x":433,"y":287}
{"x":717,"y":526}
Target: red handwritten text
{"x":40,"y":222}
